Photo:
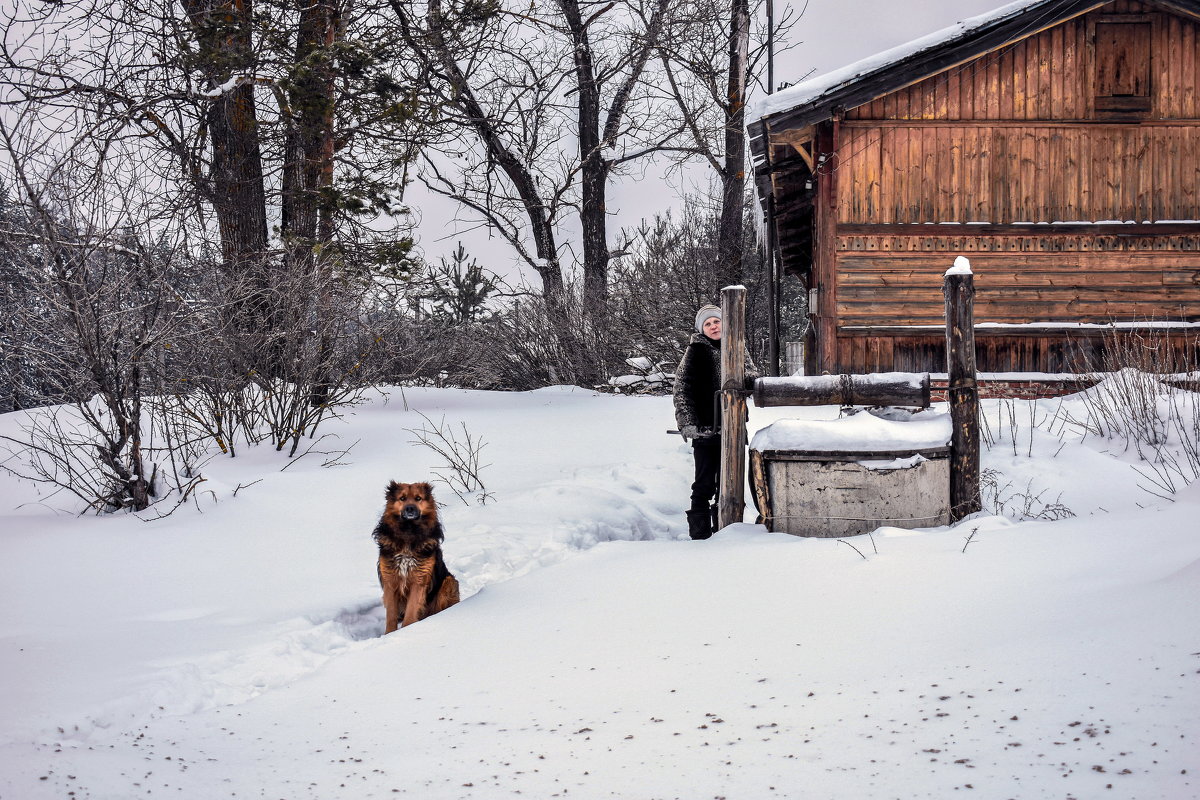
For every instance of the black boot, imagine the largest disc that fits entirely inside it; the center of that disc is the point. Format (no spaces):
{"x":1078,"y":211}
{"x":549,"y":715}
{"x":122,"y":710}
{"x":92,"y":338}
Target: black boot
{"x":699,"y":524}
{"x":713,"y":511}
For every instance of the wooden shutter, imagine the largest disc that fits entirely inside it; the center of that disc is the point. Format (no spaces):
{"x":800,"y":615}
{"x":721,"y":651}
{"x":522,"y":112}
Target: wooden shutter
{"x":1123,"y":66}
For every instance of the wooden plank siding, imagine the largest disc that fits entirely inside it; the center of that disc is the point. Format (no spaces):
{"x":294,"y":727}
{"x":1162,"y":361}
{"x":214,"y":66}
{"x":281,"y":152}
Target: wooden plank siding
{"x":1019,"y":173}
{"x":1014,"y":287}
{"x":1063,"y":352}
{"x":1034,"y":164}
{"x":1050,"y":76}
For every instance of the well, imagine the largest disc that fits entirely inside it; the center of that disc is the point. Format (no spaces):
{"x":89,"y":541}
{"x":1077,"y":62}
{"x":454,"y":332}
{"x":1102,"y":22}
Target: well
{"x":850,"y":476}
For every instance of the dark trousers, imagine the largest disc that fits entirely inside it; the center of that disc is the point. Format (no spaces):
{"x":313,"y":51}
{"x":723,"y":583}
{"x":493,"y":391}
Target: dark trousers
{"x":707,"y":454}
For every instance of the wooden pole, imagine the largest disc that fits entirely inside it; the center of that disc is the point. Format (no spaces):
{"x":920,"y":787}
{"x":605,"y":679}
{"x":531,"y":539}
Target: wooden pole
{"x":773,"y":287}
{"x":824,"y":269}
{"x":962,"y":389}
{"x":731,"y":503}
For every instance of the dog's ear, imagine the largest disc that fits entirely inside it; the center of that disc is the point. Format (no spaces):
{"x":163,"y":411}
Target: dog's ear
{"x":392,"y":489}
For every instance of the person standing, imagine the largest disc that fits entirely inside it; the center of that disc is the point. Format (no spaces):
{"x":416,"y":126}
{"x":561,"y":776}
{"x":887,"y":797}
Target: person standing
{"x":698,"y":414}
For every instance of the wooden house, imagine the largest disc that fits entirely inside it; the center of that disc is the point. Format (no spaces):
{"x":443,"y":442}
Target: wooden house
{"x":1055,"y":143}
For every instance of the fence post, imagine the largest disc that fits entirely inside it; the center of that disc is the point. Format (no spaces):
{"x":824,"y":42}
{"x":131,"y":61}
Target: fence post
{"x":962,"y":389}
{"x":731,"y":502}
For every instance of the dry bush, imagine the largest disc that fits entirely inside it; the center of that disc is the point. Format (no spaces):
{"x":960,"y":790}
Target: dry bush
{"x":1145,"y":397}
{"x":137,"y":360}
{"x":462,"y":456}
{"x":96,"y":318}
{"x":1004,"y":499}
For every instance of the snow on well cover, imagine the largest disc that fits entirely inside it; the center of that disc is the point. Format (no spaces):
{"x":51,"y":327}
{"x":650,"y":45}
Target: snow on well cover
{"x":861,"y":433}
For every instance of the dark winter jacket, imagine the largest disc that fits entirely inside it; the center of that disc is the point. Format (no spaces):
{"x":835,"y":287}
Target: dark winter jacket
{"x":697,"y":380}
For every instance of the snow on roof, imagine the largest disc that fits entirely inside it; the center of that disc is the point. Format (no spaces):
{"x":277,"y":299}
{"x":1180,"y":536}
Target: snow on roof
{"x":811,"y":90}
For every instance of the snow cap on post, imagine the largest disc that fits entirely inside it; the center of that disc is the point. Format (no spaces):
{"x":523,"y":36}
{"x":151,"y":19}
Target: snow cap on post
{"x":962,"y":266}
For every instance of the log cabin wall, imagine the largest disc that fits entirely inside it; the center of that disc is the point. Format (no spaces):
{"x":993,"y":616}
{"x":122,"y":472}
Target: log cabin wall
{"x":1066,"y":165}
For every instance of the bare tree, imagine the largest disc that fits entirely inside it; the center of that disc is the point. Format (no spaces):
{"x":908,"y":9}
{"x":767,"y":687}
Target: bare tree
{"x":710,"y":59}
{"x":256,"y":113}
{"x":495,"y":87}
{"x":612,"y":78}
{"x":553,"y":98}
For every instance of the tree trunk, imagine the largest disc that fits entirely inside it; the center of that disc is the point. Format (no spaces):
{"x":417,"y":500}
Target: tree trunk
{"x":593,"y":166}
{"x":733,"y":176}
{"x":307,"y":213}
{"x":225,"y":52}
{"x":441,"y":58}
{"x":306,"y":218}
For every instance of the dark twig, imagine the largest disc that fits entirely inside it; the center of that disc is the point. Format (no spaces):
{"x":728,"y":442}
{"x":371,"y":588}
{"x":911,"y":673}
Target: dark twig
{"x":852,"y":547}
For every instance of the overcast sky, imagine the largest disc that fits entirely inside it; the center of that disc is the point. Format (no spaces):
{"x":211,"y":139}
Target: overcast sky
{"x":829,"y":35}
{"x":834,"y":33}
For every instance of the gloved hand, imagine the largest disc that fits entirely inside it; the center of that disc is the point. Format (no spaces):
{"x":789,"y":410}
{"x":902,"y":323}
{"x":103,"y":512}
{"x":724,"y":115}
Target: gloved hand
{"x":689,"y":432}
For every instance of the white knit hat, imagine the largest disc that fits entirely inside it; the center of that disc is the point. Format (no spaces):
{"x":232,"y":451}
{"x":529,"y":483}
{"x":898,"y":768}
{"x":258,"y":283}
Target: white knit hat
{"x":706,"y":313}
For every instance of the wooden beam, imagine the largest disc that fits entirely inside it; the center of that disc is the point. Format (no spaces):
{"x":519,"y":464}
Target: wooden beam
{"x":1040,"y":231}
{"x":731,"y":500}
{"x":958,"y":124}
{"x":805,"y":155}
{"x":1190,"y":9}
{"x":825,"y":231}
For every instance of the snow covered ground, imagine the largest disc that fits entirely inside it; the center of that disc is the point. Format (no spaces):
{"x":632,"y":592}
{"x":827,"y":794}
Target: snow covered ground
{"x":233,"y":650}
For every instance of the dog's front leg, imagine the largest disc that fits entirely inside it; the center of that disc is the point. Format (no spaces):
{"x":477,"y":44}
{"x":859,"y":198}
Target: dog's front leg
{"x":414,"y":609}
{"x":393,"y":614}
{"x":391,"y":598}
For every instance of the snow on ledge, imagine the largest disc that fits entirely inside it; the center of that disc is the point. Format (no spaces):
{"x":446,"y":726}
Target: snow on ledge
{"x":1083,"y":326}
{"x":886,"y":464}
{"x":914,"y":380}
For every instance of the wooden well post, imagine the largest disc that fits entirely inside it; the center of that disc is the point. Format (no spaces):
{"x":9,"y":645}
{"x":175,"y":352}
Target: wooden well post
{"x":962,"y":390}
{"x":731,"y":502}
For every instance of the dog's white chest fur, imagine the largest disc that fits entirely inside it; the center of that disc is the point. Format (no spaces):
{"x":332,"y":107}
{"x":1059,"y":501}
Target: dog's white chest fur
{"x":403,"y":563}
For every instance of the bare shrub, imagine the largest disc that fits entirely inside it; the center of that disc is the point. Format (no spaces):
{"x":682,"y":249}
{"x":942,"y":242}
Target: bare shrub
{"x":98,"y":314}
{"x":1003,"y":499}
{"x":462,"y":456}
{"x":132,"y":344}
{"x":1145,"y":397}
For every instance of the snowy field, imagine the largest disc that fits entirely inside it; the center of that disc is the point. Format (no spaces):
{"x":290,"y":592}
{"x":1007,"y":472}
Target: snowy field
{"x":232,"y":649}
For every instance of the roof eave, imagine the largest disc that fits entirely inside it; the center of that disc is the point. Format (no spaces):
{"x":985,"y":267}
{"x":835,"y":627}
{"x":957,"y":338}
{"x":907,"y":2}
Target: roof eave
{"x":924,"y":64}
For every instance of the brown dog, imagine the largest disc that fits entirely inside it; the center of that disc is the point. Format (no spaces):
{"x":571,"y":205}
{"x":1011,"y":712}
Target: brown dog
{"x":412,"y":572}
